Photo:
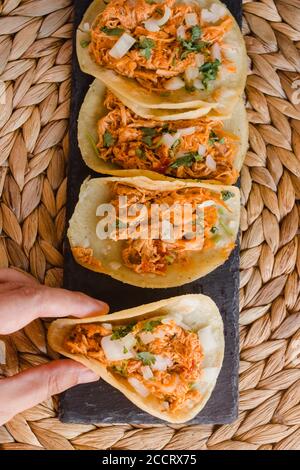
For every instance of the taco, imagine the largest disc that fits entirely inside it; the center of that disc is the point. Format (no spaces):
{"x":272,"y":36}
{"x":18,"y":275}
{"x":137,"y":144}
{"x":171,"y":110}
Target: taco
{"x":116,"y":141}
{"x":153,"y":234}
{"x":165,"y":54}
{"x":164,"y":356}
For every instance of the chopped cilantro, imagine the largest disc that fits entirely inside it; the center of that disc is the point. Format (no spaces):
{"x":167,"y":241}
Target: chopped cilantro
{"x":125,"y":350}
{"x":122,"y":331}
{"x":169,"y":259}
{"x":112,"y":31}
{"x":146,"y":358}
{"x":209,"y":71}
{"x":147,"y":140}
{"x":121,"y":370}
{"x":84,"y":43}
{"x":190,"y":46}
{"x":214,"y":229}
{"x":187,"y":160}
{"x":146,"y":45}
{"x":108,"y":139}
{"x":196,"y":33}
{"x":149,"y":133}
{"x":213,"y":138}
{"x":150,"y":2}
{"x":140,"y":153}
{"x":150,"y":325}
{"x":226,"y":195}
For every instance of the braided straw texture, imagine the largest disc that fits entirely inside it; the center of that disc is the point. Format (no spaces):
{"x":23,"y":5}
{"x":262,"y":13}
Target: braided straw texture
{"x":35,"y":55}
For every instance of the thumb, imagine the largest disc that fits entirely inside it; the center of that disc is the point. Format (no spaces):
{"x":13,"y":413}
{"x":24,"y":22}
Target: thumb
{"x":33,"y":386}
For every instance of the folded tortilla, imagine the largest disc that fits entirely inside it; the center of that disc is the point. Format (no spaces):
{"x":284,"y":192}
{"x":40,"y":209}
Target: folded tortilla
{"x":222,"y":96}
{"x":93,"y":109}
{"x":197,"y":312}
{"x":105,"y":255}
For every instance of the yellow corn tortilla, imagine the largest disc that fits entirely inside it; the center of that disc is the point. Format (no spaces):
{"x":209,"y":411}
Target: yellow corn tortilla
{"x":198,"y":311}
{"x":93,"y":109}
{"x":223,"y":96}
{"x":105,"y":256}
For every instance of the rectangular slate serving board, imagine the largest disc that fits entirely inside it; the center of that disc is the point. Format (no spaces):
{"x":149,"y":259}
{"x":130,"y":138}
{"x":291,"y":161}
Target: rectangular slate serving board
{"x":99,"y":402}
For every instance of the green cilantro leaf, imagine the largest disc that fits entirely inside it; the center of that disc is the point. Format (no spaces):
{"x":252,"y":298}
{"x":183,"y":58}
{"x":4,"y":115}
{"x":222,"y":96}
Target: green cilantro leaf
{"x":108,"y":139}
{"x":226,"y":195}
{"x":84,"y":43}
{"x":150,"y":325}
{"x":122,"y":331}
{"x":196,"y":33}
{"x":186,"y":160}
{"x":146,"y":45}
{"x":112,"y":31}
{"x":146,"y":358}
{"x":209,"y":71}
{"x":121,"y":370}
{"x":149,"y":133}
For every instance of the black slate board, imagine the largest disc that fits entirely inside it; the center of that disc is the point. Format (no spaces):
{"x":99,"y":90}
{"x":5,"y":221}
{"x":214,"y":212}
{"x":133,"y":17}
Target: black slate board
{"x":99,"y":402}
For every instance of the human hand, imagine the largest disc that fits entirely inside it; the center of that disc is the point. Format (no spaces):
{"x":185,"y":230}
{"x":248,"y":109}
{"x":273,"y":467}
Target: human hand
{"x":22,"y":300}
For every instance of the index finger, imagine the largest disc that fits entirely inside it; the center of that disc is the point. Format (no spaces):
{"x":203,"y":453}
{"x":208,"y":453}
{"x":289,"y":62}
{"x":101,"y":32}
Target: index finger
{"x":28,"y":301}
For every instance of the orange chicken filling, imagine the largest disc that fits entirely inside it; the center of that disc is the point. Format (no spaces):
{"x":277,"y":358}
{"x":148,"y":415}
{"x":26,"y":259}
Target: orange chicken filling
{"x":160,"y":358}
{"x":195,"y":148}
{"x":155,"y":255}
{"x":157,"y":56}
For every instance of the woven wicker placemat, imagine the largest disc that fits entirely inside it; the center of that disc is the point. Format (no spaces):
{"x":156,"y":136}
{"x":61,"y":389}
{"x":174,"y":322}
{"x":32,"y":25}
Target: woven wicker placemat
{"x":35,"y":53}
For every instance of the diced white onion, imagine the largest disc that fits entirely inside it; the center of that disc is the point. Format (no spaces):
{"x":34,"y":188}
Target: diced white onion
{"x":206,"y":204}
{"x":210,"y":163}
{"x":86,"y":27}
{"x":115,"y":265}
{"x":146,"y":337}
{"x":191,"y":73}
{"x":191,"y":19}
{"x":138,"y":386}
{"x":153,"y":24}
{"x":165,"y":405}
{"x":168,"y":140}
{"x":213,"y":14}
{"x":202,"y":150}
{"x":186,"y":131}
{"x":161,"y":363}
{"x":181,"y":32}
{"x":107,"y":326}
{"x":199,"y":59}
{"x":207,"y":339}
{"x":216,"y":51}
{"x":114,"y":349}
{"x":122,"y":46}
{"x":165,"y":17}
{"x":175,"y":83}
{"x":147,"y":372}
{"x":198,"y":84}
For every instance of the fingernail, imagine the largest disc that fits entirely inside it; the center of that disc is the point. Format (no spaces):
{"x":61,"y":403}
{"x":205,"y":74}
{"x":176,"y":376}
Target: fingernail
{"x":86,"y":375}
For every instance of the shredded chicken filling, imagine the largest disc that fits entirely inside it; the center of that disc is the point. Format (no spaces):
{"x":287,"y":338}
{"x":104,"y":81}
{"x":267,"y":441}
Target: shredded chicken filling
{"x":166,"y":359}
{"x":156,"y":57}
{"x":132,"y":142}
{"x":156,"y":255}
